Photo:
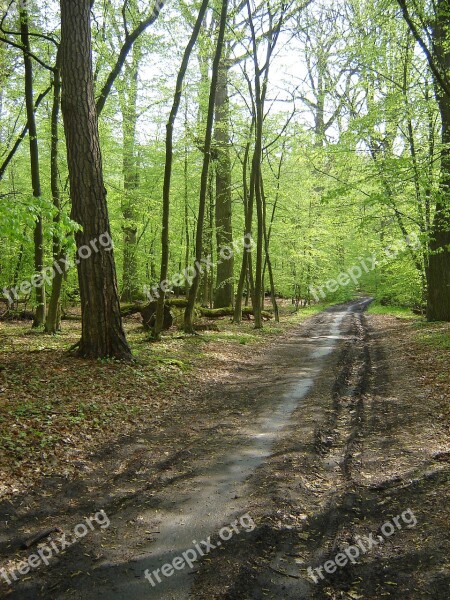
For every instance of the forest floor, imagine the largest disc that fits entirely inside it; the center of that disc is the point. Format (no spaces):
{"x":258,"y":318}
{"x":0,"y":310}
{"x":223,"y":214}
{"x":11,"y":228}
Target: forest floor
{"x":320,"y":432}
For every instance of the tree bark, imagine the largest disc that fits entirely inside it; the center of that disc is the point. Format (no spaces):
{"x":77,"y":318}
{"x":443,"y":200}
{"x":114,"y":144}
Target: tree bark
{"x":438,"y":272}
{"x":438,"y":57}
{"x":102,"y":331}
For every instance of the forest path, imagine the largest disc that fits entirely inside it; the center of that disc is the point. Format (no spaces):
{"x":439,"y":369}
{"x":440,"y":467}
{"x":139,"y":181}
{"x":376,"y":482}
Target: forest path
{"x":309,"y":440}
{"x":216,"y":494}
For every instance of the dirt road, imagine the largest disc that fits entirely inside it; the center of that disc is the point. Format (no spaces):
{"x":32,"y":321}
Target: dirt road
{"x":307,"y":451}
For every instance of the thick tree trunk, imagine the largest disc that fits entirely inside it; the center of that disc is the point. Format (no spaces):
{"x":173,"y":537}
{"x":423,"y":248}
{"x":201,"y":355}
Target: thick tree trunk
{"x":438,"y":274}
{"x":224,"y":233}
{"x":34,"y":162}
{"x":102,"y":332}
{"x":438,"y":57}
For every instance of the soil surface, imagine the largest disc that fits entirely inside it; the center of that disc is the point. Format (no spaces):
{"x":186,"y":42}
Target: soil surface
{"x":330,"y":442}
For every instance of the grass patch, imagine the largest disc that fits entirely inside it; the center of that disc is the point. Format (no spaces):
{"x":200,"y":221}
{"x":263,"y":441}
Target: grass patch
{"x":295,"y":317}
{"x":396,"y":311}
{"x":438,"y":339}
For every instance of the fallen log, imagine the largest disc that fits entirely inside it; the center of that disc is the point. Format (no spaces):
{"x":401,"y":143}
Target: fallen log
{"x":217,"y":313}
{"x":128,"y":309}
{"x":4,"y":300}
{"x":176,"y":302}
{"x":17,"y":315}
{"x":69,"y":317}
{"x":206,"y":327}
{"x":147,"y":312}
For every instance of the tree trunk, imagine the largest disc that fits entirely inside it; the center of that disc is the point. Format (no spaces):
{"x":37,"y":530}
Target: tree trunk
{"x":21,"y":136}
{"x":53,"y":320}
{"x":208,"y":276}
{"x":187,"y":233}
{"x":159,"y":319}
{"x":34,"y":162}
{"x":257,"y":157}
{"x":438,"y":57}
{"x":189,"y":312}
{"x":248,"y":214}
{"x":128,"y":102}
{"x":268,"y":262}
{"x":259,"y":92}
{"x":261,"y":78}
{"x":224,"y":233}
{"x":102,"y":331}
{"x":438,"y":274}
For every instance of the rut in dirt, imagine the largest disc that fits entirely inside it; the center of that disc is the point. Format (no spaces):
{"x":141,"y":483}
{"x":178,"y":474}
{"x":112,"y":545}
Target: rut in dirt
{"x":334,"y":456}
{"x":349,"y":438}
